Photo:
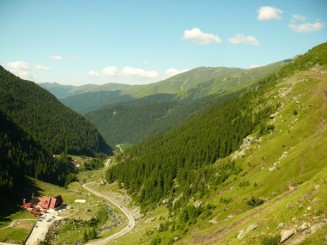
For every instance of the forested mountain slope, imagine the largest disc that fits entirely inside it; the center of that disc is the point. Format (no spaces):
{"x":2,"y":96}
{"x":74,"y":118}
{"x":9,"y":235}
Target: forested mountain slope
{"x":21,"y":156}
{"x":247,"y":171}
{"x":51,"y":124}
{"x":196,"y":83}
{"x":131,"y":122}
{"x":92,"y":101}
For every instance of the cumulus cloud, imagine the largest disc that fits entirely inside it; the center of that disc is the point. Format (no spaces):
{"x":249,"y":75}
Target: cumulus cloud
{"x":298,"y":17}
{"x":254,"y":66}
{"x":306,"y":27}
{"x":110,"y":71}
{"x":42,"y":68}
{"x":199,"y":37}
{"x":127,"y":71}
{"x":137,"y":72}
{"x":94,"y":73}
{"x":173,"y":71}
{"x":56,"y":57}
{"x":297,"y":24}
{"x":269,"y":13}
{"x":243,"y":39}
{"x":19,"y":68}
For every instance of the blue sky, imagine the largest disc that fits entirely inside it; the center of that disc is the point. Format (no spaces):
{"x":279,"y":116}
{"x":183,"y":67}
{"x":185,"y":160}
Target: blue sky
{"x":142,"y":41}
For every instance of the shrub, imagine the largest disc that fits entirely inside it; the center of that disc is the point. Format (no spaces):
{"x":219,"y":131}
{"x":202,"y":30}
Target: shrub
{"x":270,"y":240}
{"x":254,"y":201}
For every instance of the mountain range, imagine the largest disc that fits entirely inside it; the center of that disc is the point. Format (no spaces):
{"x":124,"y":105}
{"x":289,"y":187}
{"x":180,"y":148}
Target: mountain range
{"x":211,"y":156}
{"x":126,"y":114}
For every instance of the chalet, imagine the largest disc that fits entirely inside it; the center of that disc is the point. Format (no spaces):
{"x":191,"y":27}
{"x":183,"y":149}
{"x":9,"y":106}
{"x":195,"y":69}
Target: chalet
{"x":27,"y":205}
{"x":51,"y":202}
{"x":36,"y":211}
{"x":35,"y":201}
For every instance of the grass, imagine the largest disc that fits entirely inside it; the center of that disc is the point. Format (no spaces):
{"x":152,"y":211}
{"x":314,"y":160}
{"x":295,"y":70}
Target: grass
{"x":298,"y":148}
{"x":13,"y":235}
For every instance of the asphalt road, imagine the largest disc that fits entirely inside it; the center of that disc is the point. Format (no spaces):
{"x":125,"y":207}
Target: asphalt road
{"x":131,"y":220}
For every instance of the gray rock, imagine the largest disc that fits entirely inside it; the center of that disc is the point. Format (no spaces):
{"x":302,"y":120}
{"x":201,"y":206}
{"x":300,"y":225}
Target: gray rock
{"x":280,"y":225}
{"x":241,"y":234}
{"x":304,"y":226}
{"x":286,"y":234}
{"x":176,"y":238}
{"x":251,"y":227}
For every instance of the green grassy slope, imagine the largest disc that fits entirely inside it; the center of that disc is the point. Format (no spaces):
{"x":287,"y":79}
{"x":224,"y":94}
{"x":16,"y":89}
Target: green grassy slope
{"x":283,"y":169}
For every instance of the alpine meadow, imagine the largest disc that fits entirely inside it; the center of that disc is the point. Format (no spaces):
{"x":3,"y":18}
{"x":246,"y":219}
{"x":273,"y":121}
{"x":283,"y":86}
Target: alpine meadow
{"x":138,"y":122}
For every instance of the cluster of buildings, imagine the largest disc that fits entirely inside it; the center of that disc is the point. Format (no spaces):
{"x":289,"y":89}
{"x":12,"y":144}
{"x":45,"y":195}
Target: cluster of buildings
{"x":37,"y":206}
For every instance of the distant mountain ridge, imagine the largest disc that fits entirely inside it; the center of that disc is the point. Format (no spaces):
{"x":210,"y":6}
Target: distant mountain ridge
{"x":177,"y":84}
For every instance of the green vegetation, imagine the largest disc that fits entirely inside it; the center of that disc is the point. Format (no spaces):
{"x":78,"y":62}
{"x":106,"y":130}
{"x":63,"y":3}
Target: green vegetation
{"x":181,"y":155}
{"x":127,"y":114}
{"x":46,"y":120}
{"x":275,"y":181}
{"x":22,"y":156}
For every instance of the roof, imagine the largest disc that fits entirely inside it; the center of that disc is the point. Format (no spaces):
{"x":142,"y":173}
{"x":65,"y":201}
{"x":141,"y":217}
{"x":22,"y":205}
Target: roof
{"x":27,"y":205}
{"x":36,"y":211}
{"x":48,"y":202}
{"x":45,"y":202}
{"x":35,"y":201}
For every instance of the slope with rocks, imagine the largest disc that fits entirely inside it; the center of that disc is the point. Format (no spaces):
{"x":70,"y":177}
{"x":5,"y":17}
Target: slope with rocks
{"x":271,"y":189}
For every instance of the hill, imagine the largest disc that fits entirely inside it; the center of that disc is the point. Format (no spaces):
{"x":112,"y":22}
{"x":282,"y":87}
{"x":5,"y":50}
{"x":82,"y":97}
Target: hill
{"x":64,"y":91}
{"x":21,"y":156}
{"x":51,"y":124}
{"x":248,"y":171}
{"x":195,"y":83}
{"x":140,"y":118}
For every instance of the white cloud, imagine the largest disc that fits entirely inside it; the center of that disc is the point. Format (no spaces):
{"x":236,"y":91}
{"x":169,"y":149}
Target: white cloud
{"x":127,"y":71}
{"x":94,"y":73}
{"x":173,"y":71}
{"x":297,"y":24}
{"x":56,"y":57}
{"x":19,"y":68}
{"x":138,"y":73}
{"x":254,"y":66}
{"x":42,"y":68}
{"x":269,"y":13}
{"x":240,"y":38}
{"x":110,"y":71}
{"x":306,"y":27}
{"x":298,"y":17}
{"x":200,"y":37}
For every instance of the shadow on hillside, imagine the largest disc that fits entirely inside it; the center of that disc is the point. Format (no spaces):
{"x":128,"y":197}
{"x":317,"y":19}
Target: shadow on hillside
{"x":12,"y":201}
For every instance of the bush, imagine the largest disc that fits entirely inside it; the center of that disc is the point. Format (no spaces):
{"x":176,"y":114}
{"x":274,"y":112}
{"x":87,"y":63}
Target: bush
{"x":270,"y":240}
{"x":225,"y":200}
{"x":155,"y":241}
{"x":254,"y":201}
{"x":244,"y":183}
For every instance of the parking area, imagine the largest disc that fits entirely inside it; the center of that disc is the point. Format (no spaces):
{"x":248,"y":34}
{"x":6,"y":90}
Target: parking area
{"x":41,"y":227}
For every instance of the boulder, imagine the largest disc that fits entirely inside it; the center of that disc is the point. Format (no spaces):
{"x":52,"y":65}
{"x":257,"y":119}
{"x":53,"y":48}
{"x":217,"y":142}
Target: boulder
{"x":251,"y":227}
{"x":241,"y":234}
{"x":286,"y":234}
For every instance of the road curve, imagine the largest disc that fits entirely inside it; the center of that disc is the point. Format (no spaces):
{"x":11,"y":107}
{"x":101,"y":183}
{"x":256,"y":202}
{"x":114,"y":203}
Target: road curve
{"x":131,"y":220}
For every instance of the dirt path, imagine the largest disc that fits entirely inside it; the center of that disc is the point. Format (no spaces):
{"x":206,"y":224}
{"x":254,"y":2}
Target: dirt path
{"x":131,"y":220}
{"x":14,"y":222}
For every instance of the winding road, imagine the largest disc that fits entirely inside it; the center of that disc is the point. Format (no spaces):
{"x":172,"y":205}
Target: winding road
{"x":131,"y":220}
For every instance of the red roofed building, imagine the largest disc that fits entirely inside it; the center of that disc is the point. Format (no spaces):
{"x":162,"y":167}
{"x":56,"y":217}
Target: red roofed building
{"x":48,"y":202}
{"x":27,"y":205}
{"x":36,"y":211}
{"x":34,"y":201}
